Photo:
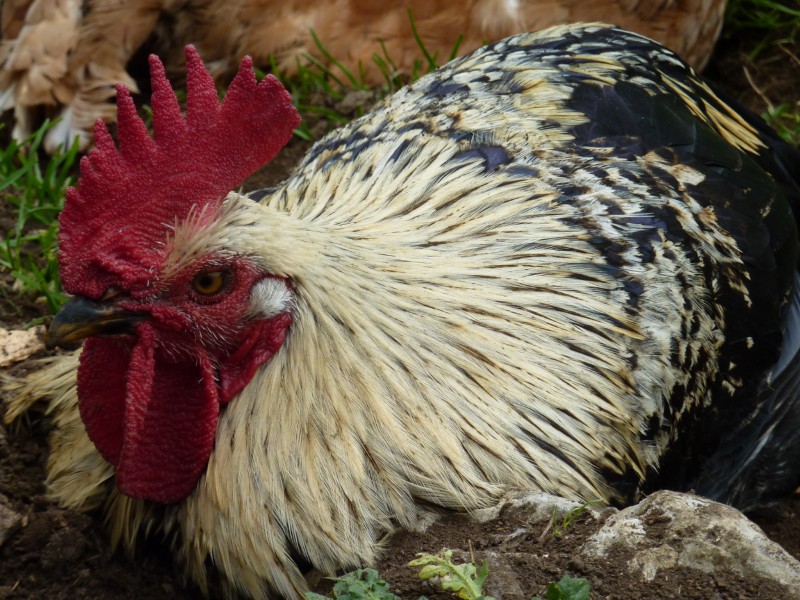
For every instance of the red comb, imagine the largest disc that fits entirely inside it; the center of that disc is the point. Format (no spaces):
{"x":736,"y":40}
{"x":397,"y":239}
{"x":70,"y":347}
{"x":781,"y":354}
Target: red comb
{"x":113,"y":225}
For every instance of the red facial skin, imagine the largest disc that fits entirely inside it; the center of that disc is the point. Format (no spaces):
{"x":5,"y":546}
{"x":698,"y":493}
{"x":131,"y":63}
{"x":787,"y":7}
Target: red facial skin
{"x":151,"y":401}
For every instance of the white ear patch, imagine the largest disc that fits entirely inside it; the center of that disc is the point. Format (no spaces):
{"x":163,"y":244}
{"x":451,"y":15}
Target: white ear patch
{"x":270,"y":297}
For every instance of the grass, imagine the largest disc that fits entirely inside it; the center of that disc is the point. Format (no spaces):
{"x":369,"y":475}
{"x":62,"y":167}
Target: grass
{"x":785,"y":119}
{"x":560,"y":524}
{"x":322,"y":91}
{"x":775,"y":24}
{"x":772,"y":21}
{"x":34,"y":187}
{"x":317,"y":90}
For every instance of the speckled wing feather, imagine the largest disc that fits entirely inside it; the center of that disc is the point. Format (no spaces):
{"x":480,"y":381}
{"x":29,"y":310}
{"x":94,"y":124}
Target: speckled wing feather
{"x":682,"y":202}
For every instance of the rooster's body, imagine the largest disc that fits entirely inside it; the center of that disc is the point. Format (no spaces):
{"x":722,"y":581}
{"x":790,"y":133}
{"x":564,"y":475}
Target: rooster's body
{"x":560,"y":263}
{"x":62,"y":58}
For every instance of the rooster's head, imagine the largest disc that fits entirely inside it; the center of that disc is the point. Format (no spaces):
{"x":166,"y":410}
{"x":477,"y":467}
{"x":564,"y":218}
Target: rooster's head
{"x":175,"y":328}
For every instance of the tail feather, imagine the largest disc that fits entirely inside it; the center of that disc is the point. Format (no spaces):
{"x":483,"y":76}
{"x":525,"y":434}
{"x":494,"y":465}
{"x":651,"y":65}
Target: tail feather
{"x":759,"y":462}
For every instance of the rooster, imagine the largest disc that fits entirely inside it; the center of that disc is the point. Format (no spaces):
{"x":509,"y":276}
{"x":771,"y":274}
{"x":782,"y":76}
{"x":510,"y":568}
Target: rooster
{"x":559,"y":263}
{"x":62,"y":58}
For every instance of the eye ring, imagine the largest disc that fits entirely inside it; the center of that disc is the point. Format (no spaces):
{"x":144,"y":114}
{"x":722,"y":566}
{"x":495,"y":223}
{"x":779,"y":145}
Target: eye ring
{"x":208,"y":284}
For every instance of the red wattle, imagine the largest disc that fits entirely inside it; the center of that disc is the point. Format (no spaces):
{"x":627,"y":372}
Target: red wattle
{"x":152,"y":415}
{"x":102,"y":373}
{"x":262,"y":340}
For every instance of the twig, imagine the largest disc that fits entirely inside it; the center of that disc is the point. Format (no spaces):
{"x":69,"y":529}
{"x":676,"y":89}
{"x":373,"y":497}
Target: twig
{"x":756,"y":89}
{"x":791,"y":54}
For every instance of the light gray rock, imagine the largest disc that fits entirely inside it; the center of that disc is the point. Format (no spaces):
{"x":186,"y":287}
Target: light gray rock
{"x":538,"y":507}
{"x":669,"y":530}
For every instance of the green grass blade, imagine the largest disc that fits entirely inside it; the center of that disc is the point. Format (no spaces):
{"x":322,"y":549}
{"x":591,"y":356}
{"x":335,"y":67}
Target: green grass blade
{"x":432,"y":66}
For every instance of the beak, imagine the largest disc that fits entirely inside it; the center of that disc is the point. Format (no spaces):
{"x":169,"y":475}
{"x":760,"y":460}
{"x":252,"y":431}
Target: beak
{"x":81,"y":318}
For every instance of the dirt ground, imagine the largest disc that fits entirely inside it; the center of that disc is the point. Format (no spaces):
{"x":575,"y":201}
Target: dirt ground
{"x":534,"y":556}
{"x":59,"y":554}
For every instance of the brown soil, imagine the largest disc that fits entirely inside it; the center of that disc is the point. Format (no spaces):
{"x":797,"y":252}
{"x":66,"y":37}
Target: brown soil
{"x":55,"y":553}
{"x":524,"y":555}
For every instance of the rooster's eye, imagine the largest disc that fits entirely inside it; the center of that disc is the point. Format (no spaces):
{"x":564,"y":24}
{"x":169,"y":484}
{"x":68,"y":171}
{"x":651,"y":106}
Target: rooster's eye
{"x":209,"y":283}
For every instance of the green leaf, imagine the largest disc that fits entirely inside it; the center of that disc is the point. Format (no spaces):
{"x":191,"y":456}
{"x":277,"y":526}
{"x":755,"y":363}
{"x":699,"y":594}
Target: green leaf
{"x":569,"y":588}
{"x":363,"y":584}
{"x":466,"y":580}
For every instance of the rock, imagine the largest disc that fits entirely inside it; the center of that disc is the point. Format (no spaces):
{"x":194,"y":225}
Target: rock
{"x":10,"y":520}
{"x":5,"y":450}
{"x":669,"y":530}
{"x":538,"y":507}
{"x":19,"y":344}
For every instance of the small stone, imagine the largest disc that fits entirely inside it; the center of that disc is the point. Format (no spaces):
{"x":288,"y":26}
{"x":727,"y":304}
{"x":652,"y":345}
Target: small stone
{"x":576,"y":565}
{"x":668,"y":530}
{"x":10,"y":520}
{"x":19,"y":344}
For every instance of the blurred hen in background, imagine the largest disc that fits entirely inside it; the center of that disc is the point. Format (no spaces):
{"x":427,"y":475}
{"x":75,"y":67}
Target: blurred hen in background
{"x":62,"y":58}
